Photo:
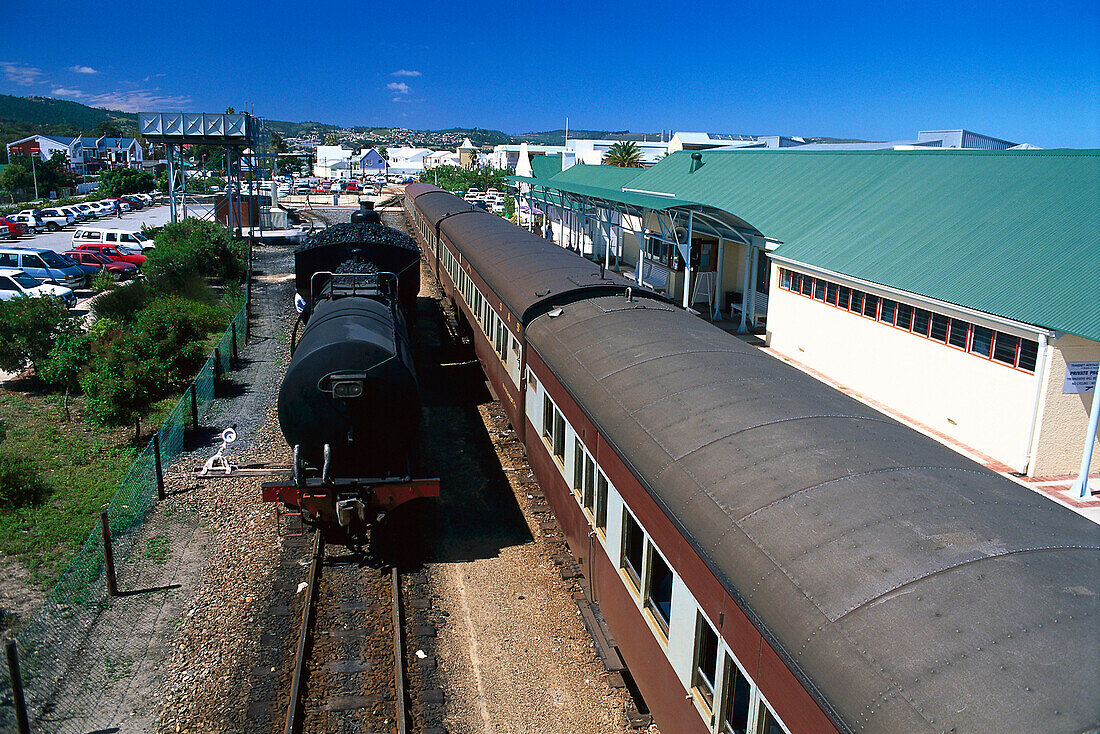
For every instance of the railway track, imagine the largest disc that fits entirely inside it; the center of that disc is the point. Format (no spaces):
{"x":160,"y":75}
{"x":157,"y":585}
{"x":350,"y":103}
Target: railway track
{"x":349,"y":668}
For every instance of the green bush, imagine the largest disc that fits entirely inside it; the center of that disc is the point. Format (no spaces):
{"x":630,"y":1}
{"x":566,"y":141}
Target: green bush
{"x":63,"y":365}
{"x":123,"y":303}
{"x":102,"y":281}
{"x":133,"y":367}
{"x":195,"y":247}
{"x":29,"y":327}
{"x":119,"y":181}
{"x":21,"y":484}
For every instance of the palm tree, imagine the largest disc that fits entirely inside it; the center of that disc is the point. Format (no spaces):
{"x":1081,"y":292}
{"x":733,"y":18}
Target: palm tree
{"x":624,"y":154}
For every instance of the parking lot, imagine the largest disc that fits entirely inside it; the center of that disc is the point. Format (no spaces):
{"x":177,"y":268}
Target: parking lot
{"x":61,"y":240}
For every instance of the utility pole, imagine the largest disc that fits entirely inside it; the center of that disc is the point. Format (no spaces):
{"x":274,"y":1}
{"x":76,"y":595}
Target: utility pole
{"x":34,"y":173}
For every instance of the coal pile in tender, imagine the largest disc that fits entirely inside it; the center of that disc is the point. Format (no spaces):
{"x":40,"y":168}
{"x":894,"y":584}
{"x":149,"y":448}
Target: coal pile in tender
{"x":349,"y":234}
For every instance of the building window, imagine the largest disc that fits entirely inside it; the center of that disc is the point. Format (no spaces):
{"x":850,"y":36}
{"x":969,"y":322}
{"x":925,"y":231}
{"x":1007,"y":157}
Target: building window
{"x":905,"y":317}
{"x":886,"y":314}
{"x":921,"y":319}
{"x":1029,"y":351}
{"x":633,"y":548}
{"x":706,"y":660}
{"x":959,"y":332}
{"x":1004,"y":348}
{"x":658,"y":595}
{"x":735,"y":700}
{"x":870,"y":306}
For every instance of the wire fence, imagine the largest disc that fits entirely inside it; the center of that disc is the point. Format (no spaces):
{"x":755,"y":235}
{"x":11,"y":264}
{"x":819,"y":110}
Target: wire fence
{"x":82,"y":639}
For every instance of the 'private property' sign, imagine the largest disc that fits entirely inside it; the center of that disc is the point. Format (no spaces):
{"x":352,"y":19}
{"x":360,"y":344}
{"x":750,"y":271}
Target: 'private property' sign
{"x":1080,"y":377}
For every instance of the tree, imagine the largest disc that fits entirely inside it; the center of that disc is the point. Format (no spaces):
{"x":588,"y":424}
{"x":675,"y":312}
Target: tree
{"x":624,"y":154}
{"x":51,"y":175}
{"x":110,"y":128}
{"x":119,"y":181}
{"x":331,"y":139}
{"x":29,"y":328}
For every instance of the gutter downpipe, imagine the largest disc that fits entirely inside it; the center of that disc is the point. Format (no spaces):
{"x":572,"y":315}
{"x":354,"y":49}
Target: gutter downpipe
{"x":1040,"y":381}
{"x":1081,"y":484}
{"x":742,"y":328}
{"x":687,"y":260}
{"x":717,"y":313}
{"x":639,"y":235}
{"x":756,"y":254}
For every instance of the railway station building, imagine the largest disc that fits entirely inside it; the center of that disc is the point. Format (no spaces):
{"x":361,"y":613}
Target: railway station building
{"x":955,"y":287}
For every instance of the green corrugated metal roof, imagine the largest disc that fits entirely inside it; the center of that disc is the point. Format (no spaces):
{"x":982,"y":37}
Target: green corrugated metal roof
{"x":608,"y":177}
{"x":629,"y":198}
{"x":545,"y":166}
{"x":1010,"y":233}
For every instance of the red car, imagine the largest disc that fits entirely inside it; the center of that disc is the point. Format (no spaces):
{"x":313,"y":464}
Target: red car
{"x":92,"y":262}
{"x":352,"y":187}
{"x":15,"y":229}
{"x":118,"y":254}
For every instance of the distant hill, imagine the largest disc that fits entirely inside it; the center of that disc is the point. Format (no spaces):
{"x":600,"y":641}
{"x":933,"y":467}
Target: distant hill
{"x":557,"y":137}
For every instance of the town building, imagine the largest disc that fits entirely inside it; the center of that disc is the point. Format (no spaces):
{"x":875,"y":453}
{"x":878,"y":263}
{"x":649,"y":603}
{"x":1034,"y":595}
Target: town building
{"x":506,"y":157}
{"x":407,"y":161}
{"x":85,"y":155}
{"x":333,"y":161}
{"x":369,"y":162}
{"x":592,"y":152}
{"x":956,"y":287}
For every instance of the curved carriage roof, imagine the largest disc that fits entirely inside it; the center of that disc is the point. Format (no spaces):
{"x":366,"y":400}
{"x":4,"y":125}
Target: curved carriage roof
{"x":908,"y":587}
{"x":435,"y":206}
{"x":416,"y":189}
{"x":530,"y":274}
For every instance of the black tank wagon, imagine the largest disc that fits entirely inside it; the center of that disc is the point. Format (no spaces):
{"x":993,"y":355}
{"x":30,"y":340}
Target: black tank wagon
{"x":772,"y":555}
{"x":349,"y":403}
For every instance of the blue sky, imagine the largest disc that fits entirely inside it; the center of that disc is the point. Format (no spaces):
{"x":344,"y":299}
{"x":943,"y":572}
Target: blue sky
{"x":1024,"y":72}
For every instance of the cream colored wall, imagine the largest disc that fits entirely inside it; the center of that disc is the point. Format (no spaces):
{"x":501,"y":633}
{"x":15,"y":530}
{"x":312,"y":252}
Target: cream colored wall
{"x":981,"y":403}
{"x":1064,"y":417}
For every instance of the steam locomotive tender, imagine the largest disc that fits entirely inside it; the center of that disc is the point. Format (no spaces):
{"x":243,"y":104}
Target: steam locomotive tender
{"x":349,"y":404}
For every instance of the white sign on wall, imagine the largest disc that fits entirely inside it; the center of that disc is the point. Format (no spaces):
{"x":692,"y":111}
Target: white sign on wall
{"x":1080,"y":377}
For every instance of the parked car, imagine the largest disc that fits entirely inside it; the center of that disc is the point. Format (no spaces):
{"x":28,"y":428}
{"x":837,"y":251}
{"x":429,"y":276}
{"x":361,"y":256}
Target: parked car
{"x":15,"y":283}
{"x":133,"y":201}
{"x":122,"y":203}
{"x":91,"y":211}
{"x":57,"y":215}
{"x":334,"y":187}
{"x":15,"y":229}
{"x":76,"y":214}
{"x":117,"y":253}
{"x":46,"y":265}
{"x":128,"y":238}
{"x":31,"y":222}
{"x":93,"y":262}
{"x":352,"y":187}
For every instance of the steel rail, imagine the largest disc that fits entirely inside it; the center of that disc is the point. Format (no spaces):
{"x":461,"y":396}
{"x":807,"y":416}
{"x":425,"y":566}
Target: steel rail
{"x":398,"y":653}
{"x":294,"y":713}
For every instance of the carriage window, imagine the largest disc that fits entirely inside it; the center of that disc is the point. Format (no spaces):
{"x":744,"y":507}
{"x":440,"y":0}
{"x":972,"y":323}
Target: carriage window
{"x":633,"y":542}
{"x":601,"y":502}
{"x":767,"y":723}
{"x":589,"y":482}
{"x":706,"y":660}
{"x":547,"y":418}
{"x":578,"y":466}
{"x":559,"y":436}
{"x":658,"y":595}
{"x":735,"y":700}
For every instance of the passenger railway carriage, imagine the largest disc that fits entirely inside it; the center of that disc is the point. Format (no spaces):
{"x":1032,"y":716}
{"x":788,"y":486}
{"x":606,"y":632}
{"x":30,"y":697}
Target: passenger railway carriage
{"x":770,"y":554}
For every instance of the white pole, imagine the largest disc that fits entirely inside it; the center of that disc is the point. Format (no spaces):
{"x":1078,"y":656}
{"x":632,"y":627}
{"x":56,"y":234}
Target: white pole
{"x":717,"y":314}
{"x":687,"y":262}
{"x":1081,"y":484}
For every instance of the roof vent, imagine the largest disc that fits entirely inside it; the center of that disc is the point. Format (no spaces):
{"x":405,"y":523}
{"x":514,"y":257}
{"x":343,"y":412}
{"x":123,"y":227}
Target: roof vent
{"x":696,"y":162}
{"x":542,"y":293}
{"x":554,"y":313}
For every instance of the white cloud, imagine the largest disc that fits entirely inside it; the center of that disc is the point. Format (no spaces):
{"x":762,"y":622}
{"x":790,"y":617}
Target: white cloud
{"x":139,"y":100}
{"x":66,"y":92}
{"x":83,"y":69}
{"x":21,"y":74}
{"x":399,"y":87}
{"x":405,"y":72}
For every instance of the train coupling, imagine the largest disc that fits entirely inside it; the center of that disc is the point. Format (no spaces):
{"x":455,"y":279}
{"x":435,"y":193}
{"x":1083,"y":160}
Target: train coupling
{"x":347,"y":511}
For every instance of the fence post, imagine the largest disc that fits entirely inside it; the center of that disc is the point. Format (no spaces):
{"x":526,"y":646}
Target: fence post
{"x":22,"y":723}
{"x":194,"y":409}
{"x":160,"y":470}
{"x":233,"y":327}
{"x":108,"y":554}
{"x":217,"y":367}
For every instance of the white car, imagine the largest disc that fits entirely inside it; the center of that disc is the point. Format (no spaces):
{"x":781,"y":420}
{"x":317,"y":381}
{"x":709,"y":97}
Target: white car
{"x":57,"y":215}
{"x":17,"y":283}
{"x":76,"y":214}
{"x":32,"y":223}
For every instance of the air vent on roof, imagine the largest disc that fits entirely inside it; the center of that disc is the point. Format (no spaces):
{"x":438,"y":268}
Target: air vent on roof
{"x":543,"y":293}
{"x":554,"y":313}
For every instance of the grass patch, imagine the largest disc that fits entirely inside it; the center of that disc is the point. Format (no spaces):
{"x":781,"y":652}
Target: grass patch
{"x":82,"y":466}
{"x":156,"y":549}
